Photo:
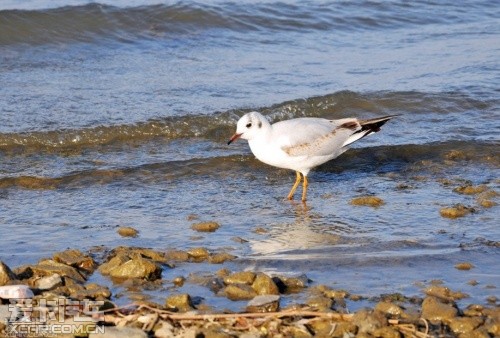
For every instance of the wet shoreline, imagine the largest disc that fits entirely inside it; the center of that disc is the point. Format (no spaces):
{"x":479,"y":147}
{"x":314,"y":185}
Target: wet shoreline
{"x":295,"y":306}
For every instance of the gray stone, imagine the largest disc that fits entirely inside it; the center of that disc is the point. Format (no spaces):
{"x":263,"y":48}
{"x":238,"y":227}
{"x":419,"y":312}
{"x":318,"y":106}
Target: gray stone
{"x":49,"y":282}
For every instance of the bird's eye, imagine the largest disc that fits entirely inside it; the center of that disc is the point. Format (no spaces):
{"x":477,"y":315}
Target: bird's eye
{"x":248,"y":125}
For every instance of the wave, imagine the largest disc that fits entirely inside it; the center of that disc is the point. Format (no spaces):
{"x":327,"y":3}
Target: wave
{"x":412,"y":157}
{"x":218,"y":126}
{"x":93,"y":22}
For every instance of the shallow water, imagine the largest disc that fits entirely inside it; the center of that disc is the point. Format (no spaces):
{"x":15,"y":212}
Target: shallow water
{"x":118,"y":114}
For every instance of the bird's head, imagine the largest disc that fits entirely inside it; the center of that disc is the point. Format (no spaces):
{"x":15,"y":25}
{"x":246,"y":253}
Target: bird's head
{"x":249,"y":126}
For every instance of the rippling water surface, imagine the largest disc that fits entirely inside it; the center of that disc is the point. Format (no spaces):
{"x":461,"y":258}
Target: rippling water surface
{"x":118,"y":112}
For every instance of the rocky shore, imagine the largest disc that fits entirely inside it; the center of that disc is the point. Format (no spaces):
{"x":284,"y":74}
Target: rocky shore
{"x":55,"y":298}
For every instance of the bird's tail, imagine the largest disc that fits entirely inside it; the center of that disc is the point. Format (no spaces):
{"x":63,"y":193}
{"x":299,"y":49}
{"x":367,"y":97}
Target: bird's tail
{"x":368,"y":127}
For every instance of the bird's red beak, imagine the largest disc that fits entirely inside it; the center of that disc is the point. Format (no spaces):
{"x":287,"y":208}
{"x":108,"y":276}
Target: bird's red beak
{"x":233,"y":138}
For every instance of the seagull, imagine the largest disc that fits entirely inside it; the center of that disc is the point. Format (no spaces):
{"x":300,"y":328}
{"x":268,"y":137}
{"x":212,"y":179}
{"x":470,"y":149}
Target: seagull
{"x":301,"y":144}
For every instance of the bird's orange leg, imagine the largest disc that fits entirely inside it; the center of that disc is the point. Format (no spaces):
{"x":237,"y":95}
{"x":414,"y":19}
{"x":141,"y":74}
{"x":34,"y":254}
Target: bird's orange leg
{"x":295,"y":185}
{"x":304,"y":189}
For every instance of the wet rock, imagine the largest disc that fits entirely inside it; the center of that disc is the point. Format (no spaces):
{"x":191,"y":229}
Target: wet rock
{"x":96,"y":291}
{"x":242,"y":277}
{"x":179,"y":281}
{"x":6,"y":274}
{"x":389,"y":309}
{"x":295,"y":284}
{"x":444,"y":293}
{"x":332,"y":293}
{"x":49,"y":282}
{"x":220,"y":258}
{"x":464,"y":325}
{"x":264,"y":285}
{"x":127,"y":232}
{"x":205,"y":226}
{"x":113,"y":263}
{"x":320,"y":303}
{"x":119,"y":332}
{"x":322,"y":327}
{"x":198,"y":254}
{"x":131,"y":252}
{"x":76,"y":259}
{"x":470,"y":190}
{"x":181,"y":302}
{"x":49,"y":267}
{"x":456,"y":155}
{"x":137,"y":268}
{"x":215,"y":285}
{"x":435,"y":310}
{"x":386,"y":332}
{"x":457,"y":211}
{"x":264,"y":303}
{"x":473,"y":310}
{"x":368,"y":321}
{"x":239,"y":292}
{"x":177,"y":255}
{"x":485,"y":203}
{"x":344,"y":329}
{"x":464,"y":266}
{"x":371,"y":201}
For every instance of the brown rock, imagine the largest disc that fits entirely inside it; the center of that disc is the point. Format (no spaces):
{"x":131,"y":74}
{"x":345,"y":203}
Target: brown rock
{"x":6,"y":274}
{"x":205,"y":226}
{"x":113,"y":263}
{"x":242,"y":277}
{"x":464,"y":266}
{"x":179,"y":281}
{"x":137,"y":268}
{"x":434,"y":310}
{"x":444,"y":293}
{"x":457,"y":211}
{"x":264,"y":285}
{"x":371,"y":201}
{"x":198,"y":254}
{"x":464,"y":325}
{"x":322,"y":327}
{"x":49,"y":267}
{"x":127,"y":232}
{"x":177,"y":255}
{"x":471,"y":190}
{"x":180,"y":302}
{"x":239,"y":292}
{"x":386,"y":332}
{"x":344,"y":329}
{"x":320,"y":303}
{"x":297,"y":332}
{"x":76,"y":259}
{"x":368,"y":321}
{"x":220,"y":258}
{"x":389,"y":309}
{"x":264,"y":303}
